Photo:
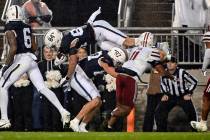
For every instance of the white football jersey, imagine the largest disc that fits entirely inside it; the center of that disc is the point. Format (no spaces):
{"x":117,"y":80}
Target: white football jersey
{"x":141,"y":59}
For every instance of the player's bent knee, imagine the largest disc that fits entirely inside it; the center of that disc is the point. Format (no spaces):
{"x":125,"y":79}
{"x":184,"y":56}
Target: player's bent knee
{"x":126,"y":111}
{"x":97,"y":102}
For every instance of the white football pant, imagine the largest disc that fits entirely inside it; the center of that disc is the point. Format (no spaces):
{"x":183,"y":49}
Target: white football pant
{"x":105,"y":32}
{"x":83,"y":85}
{"x":24,"y":63}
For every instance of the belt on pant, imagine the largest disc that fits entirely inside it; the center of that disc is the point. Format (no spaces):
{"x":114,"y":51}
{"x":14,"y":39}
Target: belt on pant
{"x":127,"y":71}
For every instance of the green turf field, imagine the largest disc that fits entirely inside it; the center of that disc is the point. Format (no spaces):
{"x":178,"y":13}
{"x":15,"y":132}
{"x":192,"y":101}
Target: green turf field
{"x":102,"y":136}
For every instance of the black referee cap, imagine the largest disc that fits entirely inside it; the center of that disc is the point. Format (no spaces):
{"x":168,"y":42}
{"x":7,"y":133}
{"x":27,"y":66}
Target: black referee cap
{"x":173,"y":59}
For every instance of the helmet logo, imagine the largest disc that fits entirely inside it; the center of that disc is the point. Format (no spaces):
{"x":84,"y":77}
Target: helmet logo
{"x":51,"y":37}
{"x":117,"y":53}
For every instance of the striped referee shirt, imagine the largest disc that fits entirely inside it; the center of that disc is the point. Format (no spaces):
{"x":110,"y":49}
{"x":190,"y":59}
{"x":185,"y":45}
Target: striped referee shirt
{"x":185,"y":84}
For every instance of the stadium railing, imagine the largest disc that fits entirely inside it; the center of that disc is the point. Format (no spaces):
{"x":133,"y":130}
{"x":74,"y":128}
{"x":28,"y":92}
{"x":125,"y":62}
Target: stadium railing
{"x":187,"y":46}
{"x":124,"y":13}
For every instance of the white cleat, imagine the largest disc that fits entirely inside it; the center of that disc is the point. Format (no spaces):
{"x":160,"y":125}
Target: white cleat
{"x":82,"y":129}
{"x":5,"y":124}
{"x":66,"y":119}
{"x":74,"y":126}
{"x":201,"y":127}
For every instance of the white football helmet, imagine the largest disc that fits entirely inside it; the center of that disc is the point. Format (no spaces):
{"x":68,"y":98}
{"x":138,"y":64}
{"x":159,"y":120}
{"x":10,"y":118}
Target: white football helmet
{"x":118,"y":55}
{"x":52,"y":38}
{"x":206,"y":37}
{"x":145,"y":40}
{"x":14,"y":13}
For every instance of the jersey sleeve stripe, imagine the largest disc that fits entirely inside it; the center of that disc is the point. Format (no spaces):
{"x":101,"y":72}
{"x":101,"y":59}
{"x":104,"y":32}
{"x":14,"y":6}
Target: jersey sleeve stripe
{"x":145,"y":39}
{"x":155,"y":52}
{"x":155,"y":55}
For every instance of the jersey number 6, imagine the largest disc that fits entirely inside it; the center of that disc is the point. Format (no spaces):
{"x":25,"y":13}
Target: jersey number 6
{"x":27,"y":37}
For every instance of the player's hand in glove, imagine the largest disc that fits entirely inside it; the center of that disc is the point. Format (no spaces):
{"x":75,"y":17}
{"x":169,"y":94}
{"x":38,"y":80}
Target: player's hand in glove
{"x":64,"y":80}
{"x":60,"y":59}
{"x":65,"y":84}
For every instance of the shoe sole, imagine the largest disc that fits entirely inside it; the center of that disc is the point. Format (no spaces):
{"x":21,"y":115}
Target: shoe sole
{"x":7,"y":125}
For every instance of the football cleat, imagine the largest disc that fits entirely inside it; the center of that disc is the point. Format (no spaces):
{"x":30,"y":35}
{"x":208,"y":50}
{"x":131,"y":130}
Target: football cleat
{"x":82,"y":129}
{"x":66,"y":119}
{"x":74,"y":126}
{"x":201,"y":127}
{"x":5,"y":124}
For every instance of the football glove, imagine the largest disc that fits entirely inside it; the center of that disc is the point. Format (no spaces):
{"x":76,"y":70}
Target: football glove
{"x":60,"y":59}
{"x":65,"y":84}
{"x":64,"y":81}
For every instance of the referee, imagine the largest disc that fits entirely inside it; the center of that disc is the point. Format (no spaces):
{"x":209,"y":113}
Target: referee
{"x":176,"y":92}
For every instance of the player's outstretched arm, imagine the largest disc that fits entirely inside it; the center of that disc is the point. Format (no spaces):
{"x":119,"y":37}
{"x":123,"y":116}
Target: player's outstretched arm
{"x":10,"y":35}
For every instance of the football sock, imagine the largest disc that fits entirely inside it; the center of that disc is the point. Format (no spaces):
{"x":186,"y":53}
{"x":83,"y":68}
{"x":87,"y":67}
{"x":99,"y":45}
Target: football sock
{"x":3,"y":103}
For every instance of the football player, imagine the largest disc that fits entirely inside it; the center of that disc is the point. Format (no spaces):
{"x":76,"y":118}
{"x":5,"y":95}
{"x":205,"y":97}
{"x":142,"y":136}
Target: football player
{"x":141,"y":59}
{"x":202,"y":125}
{"x":90,"y":33}
{"x":87,"y":68}
{"x":21,"y":59}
